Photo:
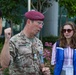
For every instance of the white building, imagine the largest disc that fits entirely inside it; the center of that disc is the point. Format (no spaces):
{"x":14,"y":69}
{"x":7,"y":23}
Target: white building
{"x":51,"y":20}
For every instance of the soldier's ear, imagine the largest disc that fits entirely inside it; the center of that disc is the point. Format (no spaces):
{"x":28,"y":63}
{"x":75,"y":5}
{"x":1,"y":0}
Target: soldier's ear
{"x":28,"y":21}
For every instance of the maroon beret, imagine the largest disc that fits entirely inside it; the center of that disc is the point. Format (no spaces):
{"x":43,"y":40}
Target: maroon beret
{"x":34,"y":15}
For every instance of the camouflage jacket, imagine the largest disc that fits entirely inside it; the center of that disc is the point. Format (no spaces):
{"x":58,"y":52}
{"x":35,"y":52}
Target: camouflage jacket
{"x":25,"y":57}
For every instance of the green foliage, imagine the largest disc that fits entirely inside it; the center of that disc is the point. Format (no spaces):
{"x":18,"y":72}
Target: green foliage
{"x":70,"y":6}
{"x":12,"y":9}
{"x":48,"y":42}
{"x":6,"y":71}
{"x":52,"y":39}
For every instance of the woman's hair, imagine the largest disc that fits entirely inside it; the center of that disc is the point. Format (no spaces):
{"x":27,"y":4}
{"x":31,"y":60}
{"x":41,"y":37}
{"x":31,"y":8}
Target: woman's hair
{"x":63,"y":42}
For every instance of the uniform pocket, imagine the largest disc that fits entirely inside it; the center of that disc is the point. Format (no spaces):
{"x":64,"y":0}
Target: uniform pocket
{"x":24,"y":49}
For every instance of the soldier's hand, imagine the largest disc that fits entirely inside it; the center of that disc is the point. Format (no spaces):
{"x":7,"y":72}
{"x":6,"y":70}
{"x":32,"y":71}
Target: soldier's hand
{"x":7,"y":33}
{"x":46,"y":71}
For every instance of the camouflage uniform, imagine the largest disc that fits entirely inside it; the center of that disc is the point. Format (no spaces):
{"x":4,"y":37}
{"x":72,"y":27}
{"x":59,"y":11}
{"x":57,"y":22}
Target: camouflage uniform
{"x":1,"y":73}
{"x":25,"y":57}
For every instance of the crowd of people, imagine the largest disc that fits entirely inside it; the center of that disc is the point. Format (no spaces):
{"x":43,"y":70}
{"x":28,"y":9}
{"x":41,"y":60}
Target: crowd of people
{"x":23,"y":52}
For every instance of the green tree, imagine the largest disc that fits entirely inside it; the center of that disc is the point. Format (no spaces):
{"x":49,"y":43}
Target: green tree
{"x":41,"y":5}
{"x":12,"y":9}
{"x":68,"y":7}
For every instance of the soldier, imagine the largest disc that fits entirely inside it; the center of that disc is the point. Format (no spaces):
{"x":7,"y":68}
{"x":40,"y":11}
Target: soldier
{"x":26,"y":50}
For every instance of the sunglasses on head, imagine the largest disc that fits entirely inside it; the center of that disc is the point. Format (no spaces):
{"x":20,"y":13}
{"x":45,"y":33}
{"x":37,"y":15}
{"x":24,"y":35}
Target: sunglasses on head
{"x":68,"y":30}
